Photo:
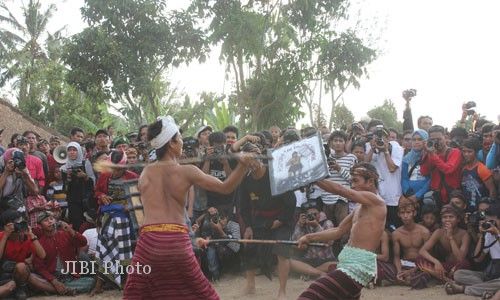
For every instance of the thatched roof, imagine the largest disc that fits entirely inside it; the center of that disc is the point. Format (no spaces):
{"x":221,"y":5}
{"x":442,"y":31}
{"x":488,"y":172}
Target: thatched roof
{"x":14,"y":121}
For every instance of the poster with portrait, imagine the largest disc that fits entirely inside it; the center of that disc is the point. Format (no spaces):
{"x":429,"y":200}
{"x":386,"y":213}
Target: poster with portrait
{"x":297,"y":164}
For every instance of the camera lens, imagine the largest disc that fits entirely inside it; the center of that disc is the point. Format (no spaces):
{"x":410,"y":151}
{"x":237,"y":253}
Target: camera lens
{"x":486,"y":225}
{"x":430,"y":144}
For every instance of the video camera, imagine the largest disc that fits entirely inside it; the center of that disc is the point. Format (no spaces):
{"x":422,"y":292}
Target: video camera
{"x":379,"y":134}
{"x":190,"y":146}
{"x":19,"y":161}
{"x":410,"y":93}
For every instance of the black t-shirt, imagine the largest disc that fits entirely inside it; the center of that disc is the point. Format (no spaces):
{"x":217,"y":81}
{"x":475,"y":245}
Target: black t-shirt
{"x":215,"y":199}
{"x":256,"y":197}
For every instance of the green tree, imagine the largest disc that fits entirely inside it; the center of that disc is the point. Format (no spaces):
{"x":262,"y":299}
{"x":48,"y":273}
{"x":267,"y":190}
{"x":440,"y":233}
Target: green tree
{"x":275,"y":49}
{"x":126,"y":49}
{"x":388,"y":114}
{"x":343,"y":117}
{"x":23,"y":57}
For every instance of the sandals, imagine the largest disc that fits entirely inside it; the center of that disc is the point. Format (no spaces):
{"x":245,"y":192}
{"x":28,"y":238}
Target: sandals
{"x":453,"y":288}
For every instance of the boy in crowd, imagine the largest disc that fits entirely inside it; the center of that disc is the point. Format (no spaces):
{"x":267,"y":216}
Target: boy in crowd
{"x":429,"y":218}
{"x":406,"y":242}
{"x":453,"y":240}
{"x":477,"y":179}
{"x":61,"y":247}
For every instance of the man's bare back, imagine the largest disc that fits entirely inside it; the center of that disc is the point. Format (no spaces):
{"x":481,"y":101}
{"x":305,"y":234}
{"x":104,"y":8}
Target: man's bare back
{"x":411,"y":241}
{"x":163,"y":190}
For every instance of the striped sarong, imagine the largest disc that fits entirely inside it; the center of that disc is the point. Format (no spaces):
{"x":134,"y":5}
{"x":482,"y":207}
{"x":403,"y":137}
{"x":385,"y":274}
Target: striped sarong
{"x":335,"y":285}
{"x":175,"y":273}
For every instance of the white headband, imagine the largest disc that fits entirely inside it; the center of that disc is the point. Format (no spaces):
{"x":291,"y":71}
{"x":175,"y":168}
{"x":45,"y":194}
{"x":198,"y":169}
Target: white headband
{"x":168,"y":130}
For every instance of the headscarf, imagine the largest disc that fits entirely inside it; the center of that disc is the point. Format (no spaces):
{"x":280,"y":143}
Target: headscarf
{"x":8,"y":154}
{"x":72,"y":163}
{"x":412,"y":157}
{"x":168,"y":130}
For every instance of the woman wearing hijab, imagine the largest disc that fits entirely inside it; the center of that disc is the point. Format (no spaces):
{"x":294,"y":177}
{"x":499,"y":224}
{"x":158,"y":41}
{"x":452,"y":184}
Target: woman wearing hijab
{"x":413,"y":183}
{"x":78,"y":177}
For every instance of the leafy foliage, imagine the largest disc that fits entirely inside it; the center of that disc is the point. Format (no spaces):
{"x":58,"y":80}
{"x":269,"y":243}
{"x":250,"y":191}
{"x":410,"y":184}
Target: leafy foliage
{"x":388,"y":114}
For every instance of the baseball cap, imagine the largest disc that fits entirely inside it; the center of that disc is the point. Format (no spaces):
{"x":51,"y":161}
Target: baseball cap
{"x":201,"y":129}
{"x":102,"y":131}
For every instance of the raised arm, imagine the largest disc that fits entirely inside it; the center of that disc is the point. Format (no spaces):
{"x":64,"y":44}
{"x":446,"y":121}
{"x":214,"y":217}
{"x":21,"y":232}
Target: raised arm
{"x":210,"y":183}
{"x":362,"y":197}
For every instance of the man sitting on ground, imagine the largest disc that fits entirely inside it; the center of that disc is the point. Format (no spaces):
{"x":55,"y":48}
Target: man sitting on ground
{"x":406,"y":242}
{"x":482,"y":283}
{"x":61,"y":246}
{"x":453,"y":240}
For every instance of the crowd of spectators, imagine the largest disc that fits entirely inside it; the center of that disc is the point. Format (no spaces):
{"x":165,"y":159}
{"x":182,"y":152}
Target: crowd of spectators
{"x":440,"y":186}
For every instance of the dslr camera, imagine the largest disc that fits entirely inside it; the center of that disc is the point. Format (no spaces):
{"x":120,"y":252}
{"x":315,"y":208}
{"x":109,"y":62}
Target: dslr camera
{"x":21,"y":226}
{"x":379,"y":136}
{"x":488,"y":224}
{"x":190,"y":146}
{"x":410,"y":93}
{"x":311,"y":216}
{"x":19,"y":161}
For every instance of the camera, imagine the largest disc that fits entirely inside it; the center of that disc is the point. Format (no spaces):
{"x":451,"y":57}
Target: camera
{"x":379,"y":134}
{"x":311,"y":216}
{"x":215,"y":218}
{"x":21,"y":226}
{"x":410,"y":93}
{"x":190,"y":146}
{"x":19,"y":161}
{"x":469,"y":105}
{"x":142,"y":146}
{"x":219,"y":151}
{"x":74,"y":170}
{"x":430,"y":144}
{"x":487,"y":225}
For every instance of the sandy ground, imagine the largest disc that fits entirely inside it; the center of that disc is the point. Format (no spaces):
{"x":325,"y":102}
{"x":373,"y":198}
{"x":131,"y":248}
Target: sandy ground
{"x":231,"y":287}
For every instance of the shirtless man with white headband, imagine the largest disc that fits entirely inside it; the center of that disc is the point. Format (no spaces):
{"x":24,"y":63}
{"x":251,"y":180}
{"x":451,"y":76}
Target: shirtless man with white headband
{"x":164,"y":244}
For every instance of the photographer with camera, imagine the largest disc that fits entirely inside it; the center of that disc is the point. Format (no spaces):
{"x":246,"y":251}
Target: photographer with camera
{"x":33,"y":163}
{"x":17,"y":246}
{"x":387,"y":156}
{"x":313,"y":261}
{"x":482,"y":283}
{"x":79,"y":179}
{"x":15,"y":182}
{"x":217,"y":165}
{"x":443,"y":164}
{"x":216,"y":225}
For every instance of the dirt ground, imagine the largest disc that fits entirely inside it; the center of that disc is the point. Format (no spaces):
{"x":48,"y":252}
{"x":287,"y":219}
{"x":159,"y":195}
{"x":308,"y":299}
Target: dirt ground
{"x":230,"y":288}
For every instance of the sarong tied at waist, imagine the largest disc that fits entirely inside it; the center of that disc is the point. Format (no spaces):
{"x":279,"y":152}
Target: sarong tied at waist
{"x":168,"y":227}
{"x":359,"y":264}
{"x":174,"y":271}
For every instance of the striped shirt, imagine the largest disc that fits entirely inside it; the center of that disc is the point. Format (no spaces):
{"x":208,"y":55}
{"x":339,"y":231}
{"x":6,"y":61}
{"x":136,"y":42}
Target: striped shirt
{"x":342,"y":177}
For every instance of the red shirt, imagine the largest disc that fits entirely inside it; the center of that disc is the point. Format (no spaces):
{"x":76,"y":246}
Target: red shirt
{"x":101,"y":187}
{"x":61,"y":245}
{"x":449,"y":165}
{"x":16,"y":250}
{"x":35,"y":167}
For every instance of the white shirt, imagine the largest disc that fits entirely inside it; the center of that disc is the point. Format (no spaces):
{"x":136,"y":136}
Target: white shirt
{"x":300,"y":198}
{"x":389,"y":183}
{"x":495,"y":249}
{"x":91,"y":236}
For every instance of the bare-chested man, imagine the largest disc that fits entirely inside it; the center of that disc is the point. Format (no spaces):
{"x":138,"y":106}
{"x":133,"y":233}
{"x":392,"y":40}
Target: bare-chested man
{"x":357,"y":262}
{"x":452,"y":239}
{"x":407,"y":241}
{"x":164,"y":244}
